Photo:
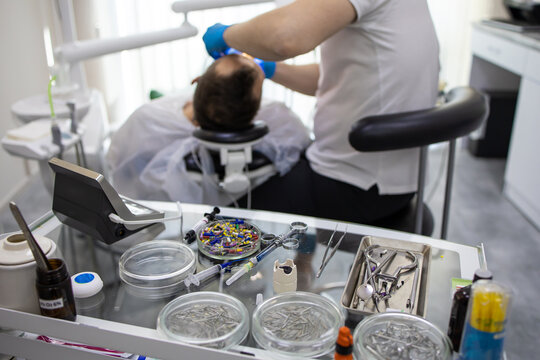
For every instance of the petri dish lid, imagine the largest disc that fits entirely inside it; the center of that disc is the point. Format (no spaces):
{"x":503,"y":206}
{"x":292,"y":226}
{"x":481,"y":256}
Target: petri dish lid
{"x":210,"y":319}
{"x":297,"y":324}
{"x":156,"y":268}
{"x":385,"y":334}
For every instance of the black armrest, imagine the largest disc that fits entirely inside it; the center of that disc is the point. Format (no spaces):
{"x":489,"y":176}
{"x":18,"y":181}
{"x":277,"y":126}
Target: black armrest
{"x":256,"y":131}
{"x":463,"y":112}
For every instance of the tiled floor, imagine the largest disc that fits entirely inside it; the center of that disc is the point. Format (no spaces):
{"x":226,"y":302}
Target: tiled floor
{"x":479,"y":214}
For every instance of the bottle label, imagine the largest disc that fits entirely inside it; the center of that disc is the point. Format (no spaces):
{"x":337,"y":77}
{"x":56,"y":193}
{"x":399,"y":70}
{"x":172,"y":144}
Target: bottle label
{"x":51,"y":304}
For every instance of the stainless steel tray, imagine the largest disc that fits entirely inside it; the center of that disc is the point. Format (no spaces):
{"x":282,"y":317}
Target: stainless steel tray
{"x":398,"y":300}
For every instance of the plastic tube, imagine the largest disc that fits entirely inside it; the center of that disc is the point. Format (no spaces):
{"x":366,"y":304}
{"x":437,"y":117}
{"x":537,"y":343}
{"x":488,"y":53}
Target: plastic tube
{"x":49,"y":95}
{"x":197,"y":278}
{"x":237,"y":275}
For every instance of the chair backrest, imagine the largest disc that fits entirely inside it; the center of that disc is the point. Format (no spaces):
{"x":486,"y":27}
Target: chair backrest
{"x":232,"y":153}
{"x":463,"y":111}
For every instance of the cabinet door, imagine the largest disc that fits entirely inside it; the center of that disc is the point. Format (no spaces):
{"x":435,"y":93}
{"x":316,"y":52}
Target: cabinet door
{"x":522,"y":176}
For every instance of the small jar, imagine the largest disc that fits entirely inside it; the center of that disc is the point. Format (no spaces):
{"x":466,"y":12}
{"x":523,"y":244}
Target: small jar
{"x":18,"y":272}
{"x":54,"y":291}
{"x":87,"y":289}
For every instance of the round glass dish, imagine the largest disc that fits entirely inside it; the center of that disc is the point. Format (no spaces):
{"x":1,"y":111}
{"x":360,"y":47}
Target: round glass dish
{"x":297,"y":324}
{"x":385,"y":336}
{"x":157,"y":268}
{"x":210,"y":319}
{"x":229,"y":239}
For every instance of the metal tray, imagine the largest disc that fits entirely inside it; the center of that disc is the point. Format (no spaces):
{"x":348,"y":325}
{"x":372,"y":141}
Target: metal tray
{"x":398,"y":300}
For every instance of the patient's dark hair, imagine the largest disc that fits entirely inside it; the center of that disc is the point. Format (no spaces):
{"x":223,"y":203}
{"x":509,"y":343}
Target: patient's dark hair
{"x":226,"y":102}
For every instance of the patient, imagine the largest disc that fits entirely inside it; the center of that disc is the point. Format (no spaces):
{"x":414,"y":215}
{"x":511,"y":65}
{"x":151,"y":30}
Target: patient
{"x":146,"y":155}
{"x":228,"y":94}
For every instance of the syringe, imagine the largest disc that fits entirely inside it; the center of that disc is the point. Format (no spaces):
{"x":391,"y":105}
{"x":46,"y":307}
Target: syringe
{"x":199,"y":277}
{"x":191,"y":235}
{"x":295,"y":228}
{"x":196,"y":279}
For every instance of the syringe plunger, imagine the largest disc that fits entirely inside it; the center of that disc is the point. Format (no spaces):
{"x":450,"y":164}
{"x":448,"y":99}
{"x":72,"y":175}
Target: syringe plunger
{"x":197,"y":278}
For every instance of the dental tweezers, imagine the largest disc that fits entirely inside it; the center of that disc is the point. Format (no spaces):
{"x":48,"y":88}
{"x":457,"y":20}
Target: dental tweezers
{"x":325,"y":260}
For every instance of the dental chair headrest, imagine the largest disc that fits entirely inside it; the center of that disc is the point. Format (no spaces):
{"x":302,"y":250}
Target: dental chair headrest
{"x":256,"y":131}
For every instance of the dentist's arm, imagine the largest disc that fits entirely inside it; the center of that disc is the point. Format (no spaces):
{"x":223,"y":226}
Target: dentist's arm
{"x":289,"y":31}
{"x":301,"y":78}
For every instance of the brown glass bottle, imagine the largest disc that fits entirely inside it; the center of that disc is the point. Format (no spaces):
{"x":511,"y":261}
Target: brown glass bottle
{"x":459,"y":309}
{"x":54,"y":291}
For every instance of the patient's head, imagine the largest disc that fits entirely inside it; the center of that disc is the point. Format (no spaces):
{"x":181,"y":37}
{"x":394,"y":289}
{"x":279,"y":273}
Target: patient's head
{"x":228,"y":94}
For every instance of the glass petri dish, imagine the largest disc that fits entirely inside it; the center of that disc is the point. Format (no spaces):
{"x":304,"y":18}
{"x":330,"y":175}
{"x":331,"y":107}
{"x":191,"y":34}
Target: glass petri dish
{"x":157,"y":268}
{"x":210,"y":319}
{"x":399,"y":335}
{"x":229,"y":239}
{"x":297,"y":324}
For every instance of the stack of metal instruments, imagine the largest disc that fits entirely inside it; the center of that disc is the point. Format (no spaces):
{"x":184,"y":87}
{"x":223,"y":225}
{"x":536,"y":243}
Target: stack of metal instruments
{"x":388,"y":277}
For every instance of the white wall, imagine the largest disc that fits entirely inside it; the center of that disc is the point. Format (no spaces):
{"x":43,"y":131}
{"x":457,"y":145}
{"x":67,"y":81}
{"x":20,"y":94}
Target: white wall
{"x":453,"y":21}
{"x":23,"y":72}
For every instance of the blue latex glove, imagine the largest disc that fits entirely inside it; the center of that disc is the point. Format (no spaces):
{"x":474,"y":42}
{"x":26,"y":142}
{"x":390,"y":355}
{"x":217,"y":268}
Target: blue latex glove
{"x":214,"y":42}
{"x":268,"y":67}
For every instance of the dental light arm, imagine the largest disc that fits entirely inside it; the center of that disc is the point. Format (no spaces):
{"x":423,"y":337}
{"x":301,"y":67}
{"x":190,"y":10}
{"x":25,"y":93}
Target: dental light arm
{"x":82,"y":50}
{"x":72,"y":52}
{"x":186,"y":6}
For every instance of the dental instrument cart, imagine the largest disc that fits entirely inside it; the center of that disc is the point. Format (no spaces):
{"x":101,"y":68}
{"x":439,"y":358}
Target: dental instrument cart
{"x":126,"y":323}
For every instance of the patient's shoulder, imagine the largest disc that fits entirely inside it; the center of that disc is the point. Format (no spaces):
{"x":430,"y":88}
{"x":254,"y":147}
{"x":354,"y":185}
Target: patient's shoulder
{"x":168,"y":103}
{"x":276,"y":113}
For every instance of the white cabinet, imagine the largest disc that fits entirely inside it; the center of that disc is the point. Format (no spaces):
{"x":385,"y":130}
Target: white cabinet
{"x":505,"y":60}
{"x":522,"y":175}
{"x":500,"y":51}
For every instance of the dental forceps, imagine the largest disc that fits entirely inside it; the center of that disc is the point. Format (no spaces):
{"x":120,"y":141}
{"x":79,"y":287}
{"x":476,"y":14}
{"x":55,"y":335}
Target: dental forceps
{"x":394,"y":278}
{"x":375,"y":272}
{"x":324,"y":260}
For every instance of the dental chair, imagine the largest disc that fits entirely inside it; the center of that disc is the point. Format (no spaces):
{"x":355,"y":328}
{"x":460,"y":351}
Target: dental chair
{"x":237,"y":166}
{"x":462,"y":112}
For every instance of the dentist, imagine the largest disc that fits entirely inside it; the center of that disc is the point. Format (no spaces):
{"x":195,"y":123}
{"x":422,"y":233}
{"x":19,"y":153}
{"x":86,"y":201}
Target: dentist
{"x":376,"y":57}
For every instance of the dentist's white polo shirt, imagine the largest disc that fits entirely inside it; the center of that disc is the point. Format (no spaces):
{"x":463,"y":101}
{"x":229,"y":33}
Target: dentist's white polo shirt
{"x":387,"y":61}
